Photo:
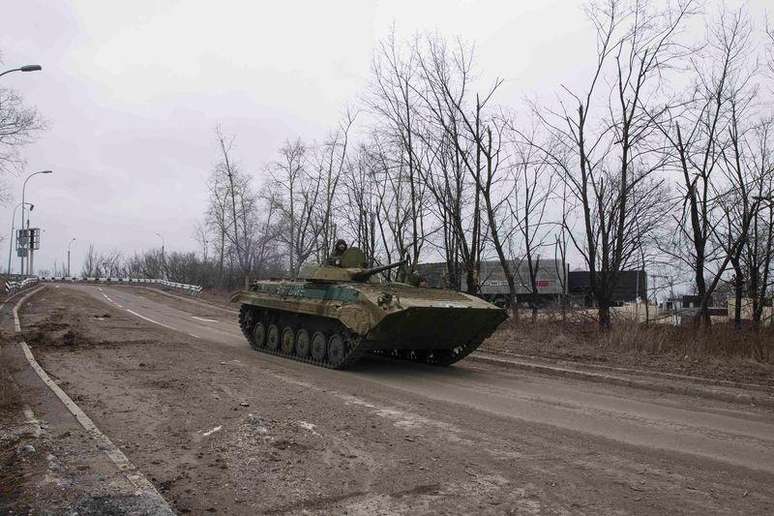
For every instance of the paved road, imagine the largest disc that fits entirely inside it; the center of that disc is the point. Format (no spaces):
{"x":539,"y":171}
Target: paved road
{"x":728,"y":433}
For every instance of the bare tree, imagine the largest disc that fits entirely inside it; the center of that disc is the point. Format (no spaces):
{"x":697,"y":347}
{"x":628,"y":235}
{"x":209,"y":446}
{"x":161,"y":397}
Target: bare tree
{"x":19,"y":125}
{"x":610,"y":132}
{"x":361,"y":202}
{"x":90,"y":263}
{"x":330,"y":161}
{"x":534,"y":182}
{"x":393,"y":99}
{"x":466,"y":153}
{"x":203,"y":237}
{"x":241,"y":202}
{"x":296,"y":193}
{"x":697,"y":136}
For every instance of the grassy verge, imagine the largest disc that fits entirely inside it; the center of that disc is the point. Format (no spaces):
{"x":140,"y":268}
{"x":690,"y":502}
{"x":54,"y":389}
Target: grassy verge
{"x":720,"y":352}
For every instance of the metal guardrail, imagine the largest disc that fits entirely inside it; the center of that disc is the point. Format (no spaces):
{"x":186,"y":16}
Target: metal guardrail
{"x":12,"y":287}
{"x":191,"y":289}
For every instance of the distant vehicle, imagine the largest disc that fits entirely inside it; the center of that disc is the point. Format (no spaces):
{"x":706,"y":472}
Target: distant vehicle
{"x":338,"y":312}
{"x":550,"y":280}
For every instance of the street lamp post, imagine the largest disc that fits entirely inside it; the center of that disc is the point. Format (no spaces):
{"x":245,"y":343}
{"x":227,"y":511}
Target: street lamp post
{"x":25,"y":68}
{"x":163,"y":257}
{"x":68,"y":256}
{"x":12,"y":235}
{"x":24,"y":188}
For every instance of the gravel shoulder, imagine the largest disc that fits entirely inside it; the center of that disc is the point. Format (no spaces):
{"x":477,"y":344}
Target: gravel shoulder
{"x":218,"y":429}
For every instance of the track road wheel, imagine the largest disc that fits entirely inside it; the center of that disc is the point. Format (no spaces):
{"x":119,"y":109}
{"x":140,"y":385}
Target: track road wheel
{"x":443,"y":357}
{"x":288,"y":340}
{"x":273,"y":337}
{"x":259,"y":335}
{"x":303,"y":343}
{"x":337,"y":349}
{"x":318,"y":345}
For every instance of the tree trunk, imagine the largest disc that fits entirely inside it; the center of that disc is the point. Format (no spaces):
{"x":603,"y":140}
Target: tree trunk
{"x":738,"y":292}
{"x":604,"y":314}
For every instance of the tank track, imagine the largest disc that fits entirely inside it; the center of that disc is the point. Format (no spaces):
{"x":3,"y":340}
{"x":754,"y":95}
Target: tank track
{"x":440,"y":357}
{"x":250,"y":315}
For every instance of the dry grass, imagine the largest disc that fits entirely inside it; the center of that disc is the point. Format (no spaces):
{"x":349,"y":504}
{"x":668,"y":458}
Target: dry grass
{"x":720,"y":351}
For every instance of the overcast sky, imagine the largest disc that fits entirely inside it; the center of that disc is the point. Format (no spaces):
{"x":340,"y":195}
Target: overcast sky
{"x":132,"y":92}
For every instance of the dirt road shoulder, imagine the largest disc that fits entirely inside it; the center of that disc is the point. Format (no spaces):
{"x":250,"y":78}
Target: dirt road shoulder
{"x":50,"y":463}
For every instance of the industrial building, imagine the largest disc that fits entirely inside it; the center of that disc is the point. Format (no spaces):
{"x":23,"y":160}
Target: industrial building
{"x":554,"y":281}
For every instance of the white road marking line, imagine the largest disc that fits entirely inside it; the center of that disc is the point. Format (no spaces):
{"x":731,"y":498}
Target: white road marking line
{"x":210,"y":432}
{"x":132,"y":474}
{"x":203,"y":319}
{"x":151,"y":320}
{"x":194,"y":336}
{"x":99,"y":288}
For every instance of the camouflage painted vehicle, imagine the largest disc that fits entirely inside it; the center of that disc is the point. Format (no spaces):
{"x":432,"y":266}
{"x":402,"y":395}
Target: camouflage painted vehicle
{"x":337,"y":313}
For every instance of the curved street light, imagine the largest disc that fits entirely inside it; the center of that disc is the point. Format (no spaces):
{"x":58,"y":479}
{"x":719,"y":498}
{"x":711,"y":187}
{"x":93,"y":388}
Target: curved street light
{"x":24,"y":188}
{"x":11,"y":239}
{"x":25,"y":68}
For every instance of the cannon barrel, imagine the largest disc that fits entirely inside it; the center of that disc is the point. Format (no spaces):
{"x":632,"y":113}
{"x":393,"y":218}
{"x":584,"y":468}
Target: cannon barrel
{"x":367,"y":273}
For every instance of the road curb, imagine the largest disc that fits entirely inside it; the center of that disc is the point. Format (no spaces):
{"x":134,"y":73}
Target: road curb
{"x":690,"y":390}
{"x":701,"y":381}
{"x":143,"y":487}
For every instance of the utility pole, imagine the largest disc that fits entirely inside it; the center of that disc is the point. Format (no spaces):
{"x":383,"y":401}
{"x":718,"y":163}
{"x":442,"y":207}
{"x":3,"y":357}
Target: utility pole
{"x":24,"y":188}
{"x":31,"y":261}
{"x":13,"y":235}
{"x":163,"y":257}
{"x":68,"y":257}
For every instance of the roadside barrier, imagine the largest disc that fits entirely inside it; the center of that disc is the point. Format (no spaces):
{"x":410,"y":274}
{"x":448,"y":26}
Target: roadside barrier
{"x":190,"y":289}
{"x":12,"y":287}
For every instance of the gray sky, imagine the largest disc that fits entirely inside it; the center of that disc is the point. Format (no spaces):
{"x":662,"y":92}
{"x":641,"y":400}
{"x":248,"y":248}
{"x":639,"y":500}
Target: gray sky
{"x":132,"y":92}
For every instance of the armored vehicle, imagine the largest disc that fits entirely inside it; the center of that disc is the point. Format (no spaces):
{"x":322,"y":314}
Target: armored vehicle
{"x":338,"y":312}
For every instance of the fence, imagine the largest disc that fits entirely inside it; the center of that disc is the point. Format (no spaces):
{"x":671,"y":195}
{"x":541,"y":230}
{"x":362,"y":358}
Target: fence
{"x":190,"y":289}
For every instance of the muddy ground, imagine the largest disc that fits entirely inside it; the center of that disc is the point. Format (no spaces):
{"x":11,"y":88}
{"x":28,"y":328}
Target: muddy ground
{"x":218,"y":430}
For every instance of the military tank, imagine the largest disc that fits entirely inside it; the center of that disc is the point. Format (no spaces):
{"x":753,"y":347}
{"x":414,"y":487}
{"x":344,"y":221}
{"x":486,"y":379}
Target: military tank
{"x":336,"y":313}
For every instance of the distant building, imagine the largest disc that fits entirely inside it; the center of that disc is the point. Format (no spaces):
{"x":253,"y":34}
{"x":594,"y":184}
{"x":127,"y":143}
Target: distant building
{"x":686,"y":301}
{"x":550,"y":280}
{"x":631,"y":285}
{"x":554,"y":281}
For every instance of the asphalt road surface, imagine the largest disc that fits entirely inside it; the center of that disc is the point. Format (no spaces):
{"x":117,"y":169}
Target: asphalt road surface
{"x":645,"y":419}
{"x":597,"y":447}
